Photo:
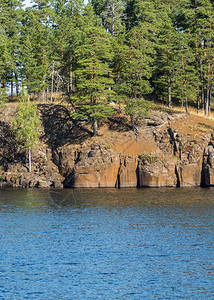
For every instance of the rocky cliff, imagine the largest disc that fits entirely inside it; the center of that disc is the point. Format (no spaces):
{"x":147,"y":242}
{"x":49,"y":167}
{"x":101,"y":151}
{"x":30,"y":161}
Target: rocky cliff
{"x":170,"y":149}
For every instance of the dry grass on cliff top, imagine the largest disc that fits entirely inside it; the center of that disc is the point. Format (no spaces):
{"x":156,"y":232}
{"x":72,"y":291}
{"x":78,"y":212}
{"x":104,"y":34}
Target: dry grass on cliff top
{"x":192,"y":121}
{"x":116,"y":133}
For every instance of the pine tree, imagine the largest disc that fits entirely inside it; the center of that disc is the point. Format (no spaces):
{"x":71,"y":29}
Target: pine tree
{"x":35,"y":47}
{"x":166,"y":49}
{"x":185,"y":73}
{"x":67,"y":35}
{"x":120,"y":52}
{"x":133,"y":70}
{"x":10,"y":18}
{"x":206,"y":52}
{"x":93,"y":76}
{"x":3,"y":58}
{"x":196,"y":19}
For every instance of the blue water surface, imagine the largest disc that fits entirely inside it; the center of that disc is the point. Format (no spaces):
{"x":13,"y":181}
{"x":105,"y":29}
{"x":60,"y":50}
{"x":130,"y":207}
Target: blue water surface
{"x":107,"y":244}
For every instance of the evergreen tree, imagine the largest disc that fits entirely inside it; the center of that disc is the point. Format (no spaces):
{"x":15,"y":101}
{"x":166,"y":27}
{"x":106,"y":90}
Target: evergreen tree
{"x":166,"y":47}
{"x":196,"y":19}
{"x":35,"y":47}
{"x":67,"y":35}
{"x":185,"y":73}
{"x":93,"y":76}
{"x":206,"y":52}
{"x":134,"y":71}
{"x":120,"y":52}
{"x":3,"y":57}
{"x":131,"y":18}
{"x":10,"y":18}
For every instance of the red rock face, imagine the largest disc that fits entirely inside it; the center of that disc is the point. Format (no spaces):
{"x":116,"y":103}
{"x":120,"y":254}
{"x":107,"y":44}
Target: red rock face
{"x":159,"y":156}
{"x":167,"y":151}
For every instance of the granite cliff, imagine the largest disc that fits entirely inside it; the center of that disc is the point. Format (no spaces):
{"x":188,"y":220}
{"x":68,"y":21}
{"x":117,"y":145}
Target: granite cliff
{"x":170,"y":149}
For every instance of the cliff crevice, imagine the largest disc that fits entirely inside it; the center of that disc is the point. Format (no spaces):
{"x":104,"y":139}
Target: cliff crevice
{"x":169,"y":150}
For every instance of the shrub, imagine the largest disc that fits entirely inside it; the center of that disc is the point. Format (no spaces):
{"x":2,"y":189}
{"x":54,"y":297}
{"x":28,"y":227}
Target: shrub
{"x":148,"y":158}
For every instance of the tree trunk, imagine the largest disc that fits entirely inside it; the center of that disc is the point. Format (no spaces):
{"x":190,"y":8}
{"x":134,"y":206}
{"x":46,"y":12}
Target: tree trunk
{"x":47,"y":94}
{"x":198,"y":99}
{"x":132,"y":122}
{"x":95,"y":127}
{"x":169,"y":92}
{"x":210,"y":98}
{"x":16,"y":72}
{"x":52,"y":83}
{"x":17,"y":84}
{"x":207,"y":103}
{"x":70,"y":75}
{"x":202,"y":97}
{"x":29,"y":156}
{"x":11,"y":88}
{"x":209,"y":106}
{"x":155,"y":92}
{"x":57,"y":88}
{"x":186,"y":105}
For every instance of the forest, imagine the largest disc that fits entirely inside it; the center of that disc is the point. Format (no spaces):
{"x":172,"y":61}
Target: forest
{"x":128,"y":52}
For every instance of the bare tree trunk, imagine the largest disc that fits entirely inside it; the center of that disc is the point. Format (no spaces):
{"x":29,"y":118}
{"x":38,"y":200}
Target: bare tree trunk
{"x":198,"y":99}
{"x":52,"y":82}
{"x":16,"y":72}
{"x":207,"y":103}
{"x":169,"y":92}
{"x":11,"y":88}
{"x":202,"y":98}
{"x":29,"y":156}
{"x":57,"y":88}
{"x":197,"y":71}
{"x":132,"y":122}
{"x":47,"y":94}
{"x":17,"y":84}
{"x":186,"y":105}
{"x":70,"y":84}
{"x":95,"y":127}
{"x":155,"y":91}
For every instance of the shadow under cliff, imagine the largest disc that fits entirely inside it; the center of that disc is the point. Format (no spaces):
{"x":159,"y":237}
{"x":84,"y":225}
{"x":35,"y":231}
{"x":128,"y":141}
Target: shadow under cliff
{"x":59,"y":127}
{"x":119,"y":123}
{"x":9,"y":149}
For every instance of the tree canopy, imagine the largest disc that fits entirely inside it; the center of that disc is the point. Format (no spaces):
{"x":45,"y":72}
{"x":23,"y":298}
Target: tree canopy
{"x":127,"y":51}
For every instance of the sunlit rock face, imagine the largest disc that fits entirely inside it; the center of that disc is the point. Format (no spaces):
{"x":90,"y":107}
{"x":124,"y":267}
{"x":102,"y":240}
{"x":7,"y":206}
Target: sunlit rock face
{"x":168,"y":150}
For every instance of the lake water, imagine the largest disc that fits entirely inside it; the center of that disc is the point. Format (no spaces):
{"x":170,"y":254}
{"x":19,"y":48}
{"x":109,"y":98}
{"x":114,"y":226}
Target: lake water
{"x":107,"y":244}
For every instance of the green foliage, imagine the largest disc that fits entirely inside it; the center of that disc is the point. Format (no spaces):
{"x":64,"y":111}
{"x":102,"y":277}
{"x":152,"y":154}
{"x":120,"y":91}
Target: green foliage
{"x":133,"y":70}
{"x":93,"y":76}
{"x":137,"y":108}
{"x":89,"y":112}
{"x":148,"y":158}
{"x":27,"y":123}
{"x":34,"y":50}
{"x":109,"y":50}
{"x":10,"y":25}
{"x":3,"y":97}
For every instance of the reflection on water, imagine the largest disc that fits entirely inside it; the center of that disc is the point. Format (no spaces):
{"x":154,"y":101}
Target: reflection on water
{"x":106,"y":244}
{"x":108,"y":198}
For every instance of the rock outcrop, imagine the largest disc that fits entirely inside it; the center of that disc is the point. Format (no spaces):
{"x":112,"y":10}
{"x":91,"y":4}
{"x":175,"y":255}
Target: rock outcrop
{"x":169,"y":150}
